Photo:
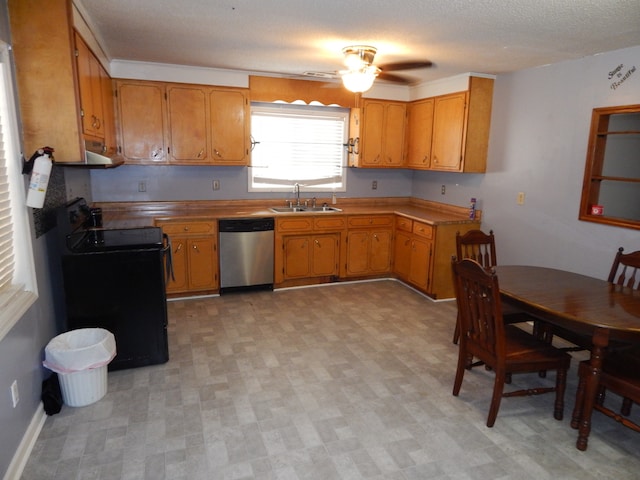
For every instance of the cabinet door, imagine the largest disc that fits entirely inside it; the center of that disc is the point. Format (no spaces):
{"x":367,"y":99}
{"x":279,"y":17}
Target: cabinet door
{"x":393,"y":143}
{"x":108,"y":113}
{"x":358,"y":252}
{"x":90,"y":90}
{"x":371,"y":148}
{"x":179,"y":258}
{"x":296,"y":257}
{"x":202,"y":266}
{"x":380,"y":251}
{"x":187,"y":115}
{"x":420,"y":270}
{"x":402,"y":255}
{"x":142,"y":121}
{"x":324,"y":258}
{"x":420,"y":126}
{"x":448,"y":130}
{"x":229,"y":127}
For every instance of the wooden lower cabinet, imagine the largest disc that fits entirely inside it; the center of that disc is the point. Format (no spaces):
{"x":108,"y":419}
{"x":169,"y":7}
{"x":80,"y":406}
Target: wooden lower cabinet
{"x":308,"y":247}
{"x":422,"y":254}
{"x":369,"y":248}
{"x":311,"y":255}
{"x":194,"y":248}
{"x":413,"y":249}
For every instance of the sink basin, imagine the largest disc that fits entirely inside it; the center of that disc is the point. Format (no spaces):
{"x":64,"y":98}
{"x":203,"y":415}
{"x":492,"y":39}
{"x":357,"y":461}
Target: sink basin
{"x":287,"y":209}
{"x":303,"y":209}
{"x":322,"y":209}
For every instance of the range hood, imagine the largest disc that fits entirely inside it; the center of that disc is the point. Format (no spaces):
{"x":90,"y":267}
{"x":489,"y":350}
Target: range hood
{"x":95,"y":157}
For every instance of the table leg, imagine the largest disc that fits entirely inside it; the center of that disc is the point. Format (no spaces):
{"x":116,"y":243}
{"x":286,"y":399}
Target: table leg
{"x":600,"y":342}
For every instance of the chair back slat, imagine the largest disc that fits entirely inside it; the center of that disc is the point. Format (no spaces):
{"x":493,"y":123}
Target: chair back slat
{"x":478,"y":246}
{"x":625,"y":269}
{"x":479,"y":308}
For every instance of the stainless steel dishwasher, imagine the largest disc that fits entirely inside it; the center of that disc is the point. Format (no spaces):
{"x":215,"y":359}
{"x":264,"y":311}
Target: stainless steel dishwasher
{"x":246,"y":253}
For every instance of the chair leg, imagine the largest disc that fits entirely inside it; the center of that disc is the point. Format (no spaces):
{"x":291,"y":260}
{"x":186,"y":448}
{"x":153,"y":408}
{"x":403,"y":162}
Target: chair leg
{"x":462,"y":366}
{"x":456,"y":332}
{"x":561,"y":385}
{"x":626,"y":406}
{"x":577,"y":408}
{"x":498,"y":388}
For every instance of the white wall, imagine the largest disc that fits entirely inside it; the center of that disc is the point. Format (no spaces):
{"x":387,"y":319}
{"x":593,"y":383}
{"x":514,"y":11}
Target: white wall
{"x":539,"y":134}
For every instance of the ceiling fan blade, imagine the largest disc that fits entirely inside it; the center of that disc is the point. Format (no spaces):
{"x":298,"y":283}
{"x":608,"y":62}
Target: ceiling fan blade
{"x":390,"y":77}
{"x":394,"y":67}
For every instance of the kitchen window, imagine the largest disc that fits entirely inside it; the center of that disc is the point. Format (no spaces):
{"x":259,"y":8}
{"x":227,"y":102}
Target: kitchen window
{"x":17,"y":274}
{"x":302,"y":144}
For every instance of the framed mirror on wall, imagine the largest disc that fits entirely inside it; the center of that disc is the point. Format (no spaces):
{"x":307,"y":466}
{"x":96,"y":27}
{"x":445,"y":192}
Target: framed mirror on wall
{"x":611,"y":187}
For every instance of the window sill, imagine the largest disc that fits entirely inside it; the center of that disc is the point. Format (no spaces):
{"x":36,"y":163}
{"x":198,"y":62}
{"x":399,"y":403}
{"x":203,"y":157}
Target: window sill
{"x":14,"y":302}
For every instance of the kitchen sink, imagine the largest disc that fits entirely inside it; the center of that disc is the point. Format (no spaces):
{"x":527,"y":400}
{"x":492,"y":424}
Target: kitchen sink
{"x":303,"y":209}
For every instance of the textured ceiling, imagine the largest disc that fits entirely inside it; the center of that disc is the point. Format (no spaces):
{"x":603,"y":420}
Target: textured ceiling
{"x":290,"y":37}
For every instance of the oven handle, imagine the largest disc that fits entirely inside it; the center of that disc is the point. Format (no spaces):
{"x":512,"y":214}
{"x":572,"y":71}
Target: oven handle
{"x":168,"y":257}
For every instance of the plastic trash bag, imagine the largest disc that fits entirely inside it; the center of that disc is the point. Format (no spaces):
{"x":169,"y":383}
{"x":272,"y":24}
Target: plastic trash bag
{"x":81,"y":349}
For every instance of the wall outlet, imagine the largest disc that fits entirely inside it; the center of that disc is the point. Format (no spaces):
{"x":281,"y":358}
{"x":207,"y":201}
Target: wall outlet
{"x":443,"y":190}
{"x":15,"y":396}
{"x":374,"y":185}
{"x":142,"y":186}
{"x":520,"y":198}
{"x":216,"y":185}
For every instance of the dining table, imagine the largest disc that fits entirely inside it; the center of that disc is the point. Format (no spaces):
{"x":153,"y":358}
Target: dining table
{"x":596,"y":309}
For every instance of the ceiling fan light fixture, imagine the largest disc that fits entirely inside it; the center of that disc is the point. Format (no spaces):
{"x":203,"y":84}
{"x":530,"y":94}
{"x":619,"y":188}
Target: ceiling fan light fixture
{"x":358,"y":56}
{"x":360,"y":80}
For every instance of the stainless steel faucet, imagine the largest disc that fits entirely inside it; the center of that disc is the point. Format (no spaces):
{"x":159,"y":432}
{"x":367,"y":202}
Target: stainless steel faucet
{"x":296,"y":190}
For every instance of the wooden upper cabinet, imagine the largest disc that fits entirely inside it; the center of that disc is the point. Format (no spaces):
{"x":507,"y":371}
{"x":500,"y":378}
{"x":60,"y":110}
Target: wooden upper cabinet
{"x":448,"y":131}
{"x":229,"y":110}
{"x":183,"y":124}
{"x":187,"y":107}
{"x":43,"y":49}
{"x":461,"y":124}
{"x":382,"y":134}
{"x":141,"y":108}
{"x":90,"y":74}
{"x":419,"y":130}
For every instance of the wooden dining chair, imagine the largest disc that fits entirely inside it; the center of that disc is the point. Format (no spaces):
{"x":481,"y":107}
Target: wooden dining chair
{"x":506,"y":349}
{"x":620,"y":375}
{"x":625,"y":270}
{"x":481,"y":247}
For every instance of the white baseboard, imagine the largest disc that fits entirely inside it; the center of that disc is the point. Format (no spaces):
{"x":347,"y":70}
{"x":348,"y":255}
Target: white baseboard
{"x":14,"y":472}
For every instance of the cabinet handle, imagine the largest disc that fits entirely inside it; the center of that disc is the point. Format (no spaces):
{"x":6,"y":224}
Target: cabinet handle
{"x":425,"y":159}
{"x":178,"y":248}
{"x":317,"y":243}
{"x":195,"y":247}
{"x":215,"y":150}
{"x":376,"y":237}
{"x":435,"y":159}
{"x":200,"y":152}
{"x":186,"y":229}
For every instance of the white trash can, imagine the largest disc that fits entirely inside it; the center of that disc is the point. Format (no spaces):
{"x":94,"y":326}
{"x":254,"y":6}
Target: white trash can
{"x":80,"y":358}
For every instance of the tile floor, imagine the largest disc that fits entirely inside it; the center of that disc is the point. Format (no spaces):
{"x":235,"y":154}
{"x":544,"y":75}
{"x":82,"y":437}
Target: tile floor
{"x":345,"y":381}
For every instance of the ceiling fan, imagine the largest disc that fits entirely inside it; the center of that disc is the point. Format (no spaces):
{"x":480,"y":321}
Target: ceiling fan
{"x":361,"y":72}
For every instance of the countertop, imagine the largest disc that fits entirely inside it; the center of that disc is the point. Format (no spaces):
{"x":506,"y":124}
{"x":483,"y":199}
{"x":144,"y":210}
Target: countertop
{"x":137,"y":214}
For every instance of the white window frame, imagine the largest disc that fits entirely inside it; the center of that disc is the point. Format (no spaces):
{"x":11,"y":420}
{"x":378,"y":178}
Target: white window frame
{"x":18,"y":294}
{"x":300,"y":110}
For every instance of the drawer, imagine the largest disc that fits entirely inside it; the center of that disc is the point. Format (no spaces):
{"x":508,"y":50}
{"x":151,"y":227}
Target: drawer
{"x":370,"y":221}
{"x":294,"y":224}
{"x":329,"y":223}
{"x":423,"y":230}
{"x":403,"y":223}
{"x":187,"y":227}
